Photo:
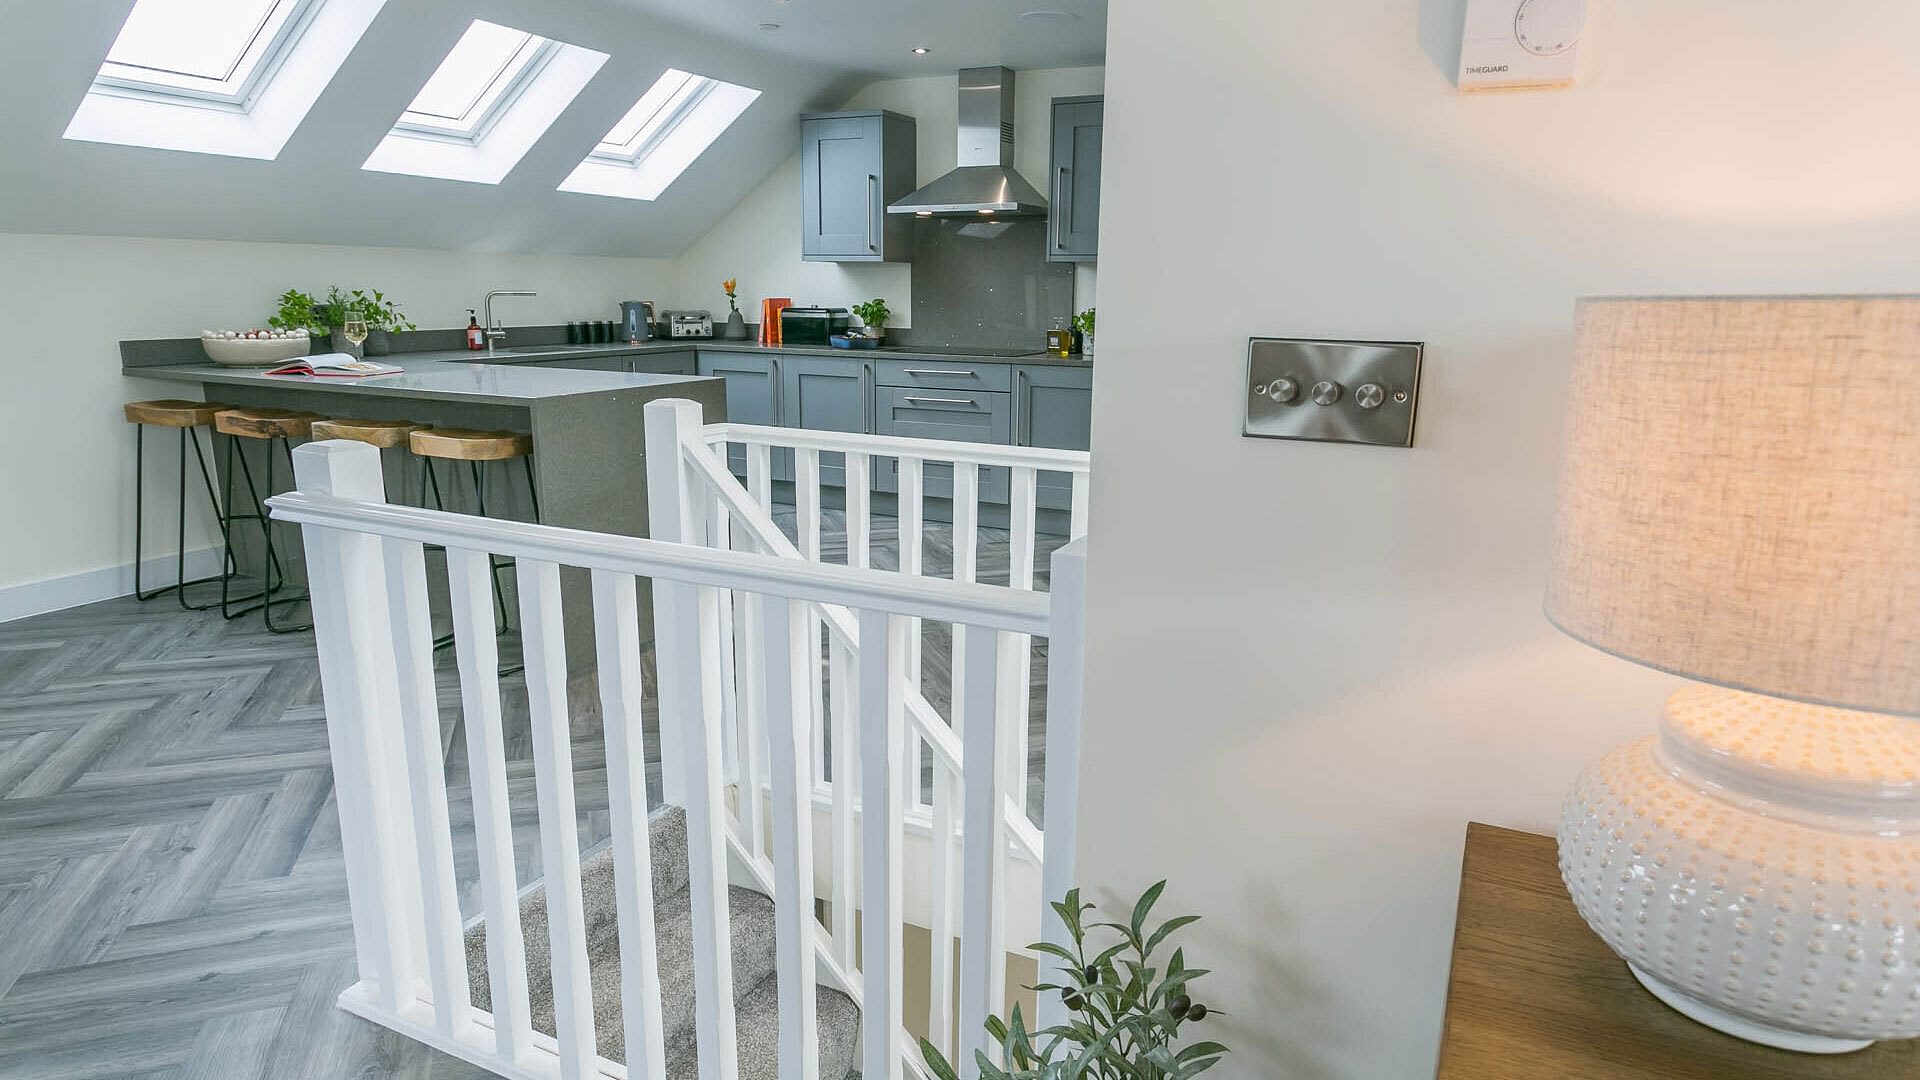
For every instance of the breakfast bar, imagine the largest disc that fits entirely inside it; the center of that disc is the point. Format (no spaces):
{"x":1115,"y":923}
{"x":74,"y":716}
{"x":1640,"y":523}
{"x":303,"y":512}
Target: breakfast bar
{"x":588,"y":465}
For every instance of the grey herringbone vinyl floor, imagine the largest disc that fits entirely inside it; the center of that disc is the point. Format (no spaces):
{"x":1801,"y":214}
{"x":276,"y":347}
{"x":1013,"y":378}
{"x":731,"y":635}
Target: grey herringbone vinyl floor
{"x":172,"y":905}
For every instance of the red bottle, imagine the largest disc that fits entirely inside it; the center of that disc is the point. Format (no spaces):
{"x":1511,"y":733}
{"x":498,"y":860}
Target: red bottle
{"x":476,"y":337}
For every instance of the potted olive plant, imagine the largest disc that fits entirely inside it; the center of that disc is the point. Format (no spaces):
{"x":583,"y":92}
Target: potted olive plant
{"x":873,"y":317}
{"x":1127,"y":1011}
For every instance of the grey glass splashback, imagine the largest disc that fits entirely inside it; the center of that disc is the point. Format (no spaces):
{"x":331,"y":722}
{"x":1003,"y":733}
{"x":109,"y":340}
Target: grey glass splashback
{"x":986,"y":284}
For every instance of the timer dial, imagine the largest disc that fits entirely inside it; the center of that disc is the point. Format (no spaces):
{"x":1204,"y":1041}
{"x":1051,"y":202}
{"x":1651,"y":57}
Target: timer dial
{"x":1549,"y":27}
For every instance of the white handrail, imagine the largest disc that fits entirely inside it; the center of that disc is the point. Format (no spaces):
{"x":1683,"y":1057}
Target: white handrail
{"x":939,"y":450}
{"x":822,"y":583}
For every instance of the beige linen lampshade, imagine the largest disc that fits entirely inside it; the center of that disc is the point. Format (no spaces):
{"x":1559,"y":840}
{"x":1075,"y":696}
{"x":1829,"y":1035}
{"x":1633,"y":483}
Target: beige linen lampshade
{"x":1740,"y":500}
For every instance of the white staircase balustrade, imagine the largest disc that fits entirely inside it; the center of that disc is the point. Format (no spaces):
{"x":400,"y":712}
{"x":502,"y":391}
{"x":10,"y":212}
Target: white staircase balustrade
{"x":787,"y":696}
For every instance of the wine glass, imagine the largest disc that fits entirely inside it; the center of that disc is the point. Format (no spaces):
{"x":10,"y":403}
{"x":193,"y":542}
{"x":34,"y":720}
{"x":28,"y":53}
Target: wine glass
{"x":354,"y":328}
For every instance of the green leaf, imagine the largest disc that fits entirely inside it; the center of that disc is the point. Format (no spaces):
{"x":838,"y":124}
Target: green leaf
{"x":1050,"y":949}
{"x":1145,"y":905}
{"x":937,"y":1062}
{"x":1200,"y":1049}
{"x":1169,"y":927}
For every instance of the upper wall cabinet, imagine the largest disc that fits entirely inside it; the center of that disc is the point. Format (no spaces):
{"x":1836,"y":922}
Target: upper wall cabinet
{"x":1074,"y":225}
{"x":853,"y":164}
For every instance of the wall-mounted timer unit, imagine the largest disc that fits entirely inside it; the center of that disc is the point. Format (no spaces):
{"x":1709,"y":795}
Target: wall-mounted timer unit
{"x":1519,"y":44}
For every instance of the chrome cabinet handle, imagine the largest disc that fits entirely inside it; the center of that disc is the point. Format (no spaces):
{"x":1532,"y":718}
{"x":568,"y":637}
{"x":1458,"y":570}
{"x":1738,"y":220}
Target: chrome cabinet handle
{"x":873,"y":187}
{"x":940,"y":401}
{"x":933,"y":371}
{"x":1061,"y":208}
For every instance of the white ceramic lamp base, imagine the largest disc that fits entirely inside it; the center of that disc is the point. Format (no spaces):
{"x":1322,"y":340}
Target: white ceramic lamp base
{"x":1758,"y":865}
{"x":1740,"y":1027}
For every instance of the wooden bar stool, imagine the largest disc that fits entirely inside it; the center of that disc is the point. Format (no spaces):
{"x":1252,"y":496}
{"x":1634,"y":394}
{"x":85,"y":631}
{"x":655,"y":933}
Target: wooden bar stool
{"x":277,"y":428}
{"x":188,"y":417}
{"x":476,"y":448}
{"x":380,"y":434}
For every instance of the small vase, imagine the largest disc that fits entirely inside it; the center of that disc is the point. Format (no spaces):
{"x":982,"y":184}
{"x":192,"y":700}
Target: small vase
{"x":337,"y":340}
{"x":1086,"y":345}
{"x":378,"y":343}
{"x":736,"y":327}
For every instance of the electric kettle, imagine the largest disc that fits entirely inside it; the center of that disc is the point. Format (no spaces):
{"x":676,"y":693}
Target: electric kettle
{"x":636,"y":320}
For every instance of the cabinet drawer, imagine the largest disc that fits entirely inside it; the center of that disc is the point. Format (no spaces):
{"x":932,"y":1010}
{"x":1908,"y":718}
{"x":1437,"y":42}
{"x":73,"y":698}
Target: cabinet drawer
{"x":662,"y":363}
{"x":954,"y":416}
{"x":944,"y":375}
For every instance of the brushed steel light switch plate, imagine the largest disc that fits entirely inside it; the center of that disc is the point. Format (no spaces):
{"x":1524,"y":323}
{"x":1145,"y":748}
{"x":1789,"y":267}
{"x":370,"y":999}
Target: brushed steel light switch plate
{"x":1333,"y":391}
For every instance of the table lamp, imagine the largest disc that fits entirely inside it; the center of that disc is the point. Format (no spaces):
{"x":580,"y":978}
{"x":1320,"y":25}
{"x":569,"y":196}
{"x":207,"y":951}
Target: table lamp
{"x":1740,"y":505}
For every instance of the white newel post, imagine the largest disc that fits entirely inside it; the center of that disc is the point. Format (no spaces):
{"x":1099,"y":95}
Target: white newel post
{"x":1066,"y":683}
{"x":670,"y":424}
{"x":358,"y":676}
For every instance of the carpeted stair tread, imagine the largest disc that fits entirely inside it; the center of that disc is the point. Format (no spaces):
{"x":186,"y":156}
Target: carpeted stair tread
{"x":751,"y":917}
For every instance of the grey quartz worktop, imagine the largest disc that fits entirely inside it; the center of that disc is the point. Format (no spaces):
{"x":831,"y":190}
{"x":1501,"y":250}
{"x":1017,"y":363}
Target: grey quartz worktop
{"x":548,"y":353}
{"x":436,"y":376}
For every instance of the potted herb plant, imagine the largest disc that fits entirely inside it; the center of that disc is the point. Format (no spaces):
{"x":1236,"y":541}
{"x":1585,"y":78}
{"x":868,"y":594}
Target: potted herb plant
{"x":873,"y":318}
{"x":381,"y":314}
{"x":1083,"y":323}
{"x":383,"y":317}
{"x":1127,"y":1012}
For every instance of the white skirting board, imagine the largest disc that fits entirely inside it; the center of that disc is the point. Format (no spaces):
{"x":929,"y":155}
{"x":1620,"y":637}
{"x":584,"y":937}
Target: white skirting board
{"x":105,"y":583}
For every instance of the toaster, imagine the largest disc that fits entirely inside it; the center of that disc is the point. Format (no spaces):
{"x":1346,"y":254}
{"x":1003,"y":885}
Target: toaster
{"x":689,"y":324}
{"x":813,"y":325}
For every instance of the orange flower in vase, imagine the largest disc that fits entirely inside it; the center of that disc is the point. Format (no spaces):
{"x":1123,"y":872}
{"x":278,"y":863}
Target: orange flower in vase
{"x":736,"y":323}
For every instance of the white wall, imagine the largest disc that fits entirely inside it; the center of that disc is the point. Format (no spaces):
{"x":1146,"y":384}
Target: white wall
{"x":68,"y":301}
{"x":1312,"y":665}
{"x":759,"y":242}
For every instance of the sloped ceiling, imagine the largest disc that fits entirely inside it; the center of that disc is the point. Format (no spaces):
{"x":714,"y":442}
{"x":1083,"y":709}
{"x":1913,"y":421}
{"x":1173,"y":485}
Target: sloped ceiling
{"x":316,"y":192}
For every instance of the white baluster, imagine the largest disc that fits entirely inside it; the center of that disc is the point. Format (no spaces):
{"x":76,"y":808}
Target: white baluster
{"x":426,"y":769}
{"x":912,"y":537}
{"x":688,"y":688}
{"x":846,"y":743}
{"x":859,"y":509}
{"x":983,"y":949}
{"x":469,"y":584}
{"x":362,"y":689}
{"x":616,"y":627}
{"x":753,"y":730}
{"x":966,"y":558}
{"x":883,"y":646}
{"x":1082,"y":483}
{"x":760,"y":475}
{"x":1023,"y":524}
{"x":1066,"y":681}
{"x":544,"y":644}
{"x":794,"y":925}
{"x":720,"y":537}
{"x":671,"y":425}
{"x":806,"y":473}
{"x":945,"y":922}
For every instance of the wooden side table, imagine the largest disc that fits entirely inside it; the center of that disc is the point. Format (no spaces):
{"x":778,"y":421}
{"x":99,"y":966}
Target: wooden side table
{"x":1535,"y":995}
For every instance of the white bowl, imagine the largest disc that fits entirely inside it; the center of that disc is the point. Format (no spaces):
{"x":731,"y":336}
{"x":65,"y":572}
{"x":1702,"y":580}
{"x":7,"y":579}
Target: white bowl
{"x":255,"y":352}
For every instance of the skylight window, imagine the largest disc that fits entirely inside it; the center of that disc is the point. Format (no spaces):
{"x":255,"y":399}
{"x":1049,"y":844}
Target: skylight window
{"x":217,"y":51}
{"x":479,"y":79}
{"x":672,"y":124}
{"x":230,"y":77}
{"x":489,"y":101}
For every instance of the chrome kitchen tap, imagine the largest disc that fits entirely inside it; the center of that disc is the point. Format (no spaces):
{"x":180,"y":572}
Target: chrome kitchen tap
{"x":494,"y":330}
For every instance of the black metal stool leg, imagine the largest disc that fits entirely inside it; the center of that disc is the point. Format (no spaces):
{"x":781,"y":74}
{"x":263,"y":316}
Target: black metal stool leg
{"x":495,"y":567}
{"x":227,"y":518}
{"x":219,"y":513}
{"x":266,"y":529}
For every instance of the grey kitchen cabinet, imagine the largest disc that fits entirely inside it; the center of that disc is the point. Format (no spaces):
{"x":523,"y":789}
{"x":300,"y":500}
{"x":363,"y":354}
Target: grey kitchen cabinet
{"x":978,"y":416}
{"x":825,"y":394}
{"x":1053,"y":408}
{"x":853,"y":164}
{"x":753,"y":394}
{"x":681,"y":362}
{"x":588,"y":363}
{"x":943,"y":375}
{"x":1073,"y":224}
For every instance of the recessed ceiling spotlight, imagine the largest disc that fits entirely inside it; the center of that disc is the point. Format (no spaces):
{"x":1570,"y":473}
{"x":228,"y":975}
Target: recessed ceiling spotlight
{"x":769,"y":26}
{"x":1049,"y":16}
{"x":921,"y":50}
{"x":923,"y":213}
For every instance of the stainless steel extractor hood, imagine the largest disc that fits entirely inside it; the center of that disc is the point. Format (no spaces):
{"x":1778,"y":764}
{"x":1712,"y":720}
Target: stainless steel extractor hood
{"x":985,"y":182}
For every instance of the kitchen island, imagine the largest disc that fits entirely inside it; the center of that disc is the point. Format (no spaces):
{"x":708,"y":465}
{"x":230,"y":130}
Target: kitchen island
{"x":589,"y":440}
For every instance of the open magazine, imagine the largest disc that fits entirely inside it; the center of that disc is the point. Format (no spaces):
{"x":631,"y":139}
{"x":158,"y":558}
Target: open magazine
{"x":335,"y":366}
